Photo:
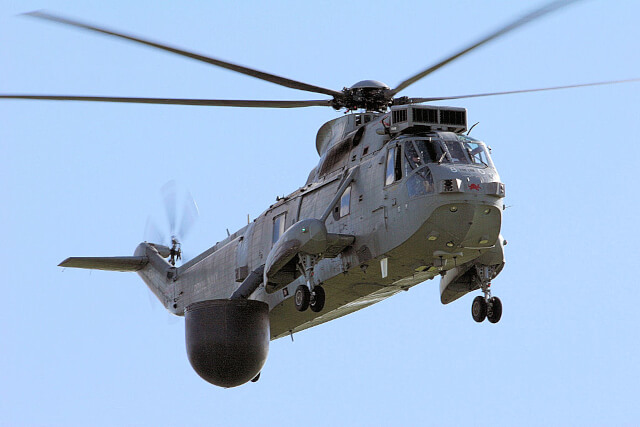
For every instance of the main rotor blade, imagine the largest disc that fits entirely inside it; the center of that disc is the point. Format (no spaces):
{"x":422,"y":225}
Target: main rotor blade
{"x":530,"y":17}
{"x":179,"y":101}
{"x":282,"y":81}
{"x":509,"y":92}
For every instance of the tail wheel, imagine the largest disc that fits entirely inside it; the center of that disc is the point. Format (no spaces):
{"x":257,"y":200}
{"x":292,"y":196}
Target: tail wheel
{"x":302,"y":298}
{"x":479,"y":309}
{"x":495,"y":312}
{"x":317,"y":299}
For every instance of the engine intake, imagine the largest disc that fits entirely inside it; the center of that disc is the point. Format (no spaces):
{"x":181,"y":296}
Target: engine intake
{"x":227,"y":340}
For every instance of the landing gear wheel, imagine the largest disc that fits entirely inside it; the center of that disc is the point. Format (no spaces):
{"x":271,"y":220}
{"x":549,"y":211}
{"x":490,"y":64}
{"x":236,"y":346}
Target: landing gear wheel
{"x":302,"y":298}
{"x":479,"y":309}
{"x":495,"y":310}
{"x":256,"y":378}
{"x":317,"y":299}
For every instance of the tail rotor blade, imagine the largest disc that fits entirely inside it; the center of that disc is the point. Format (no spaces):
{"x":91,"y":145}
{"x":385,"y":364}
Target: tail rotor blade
{"x":169,"y":192}
{"x":186,"y":256}
{"x":175,"y":200}
{"x":153,"y":234}
{"x":189,"y":216}
{"x":152,"y":300}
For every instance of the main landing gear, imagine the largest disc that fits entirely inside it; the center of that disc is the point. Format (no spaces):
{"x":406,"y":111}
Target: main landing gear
{"x":486,"y":307}
{"x":304,"y":298}
{"x":490,"y":309}
{"x":308,"y":295}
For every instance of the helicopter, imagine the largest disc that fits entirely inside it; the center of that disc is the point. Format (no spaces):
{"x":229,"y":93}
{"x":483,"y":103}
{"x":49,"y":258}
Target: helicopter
{"x":400,"y":195}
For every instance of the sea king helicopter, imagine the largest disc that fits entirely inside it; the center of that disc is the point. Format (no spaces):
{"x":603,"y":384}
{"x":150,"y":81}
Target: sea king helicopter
{"x":401,"y":194}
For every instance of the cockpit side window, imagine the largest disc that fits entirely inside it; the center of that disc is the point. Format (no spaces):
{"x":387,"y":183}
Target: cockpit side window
{"x":397,"y":170}
{"x":394,"y":165}
{"x":413,"y":159}
{"x":388,"y":179}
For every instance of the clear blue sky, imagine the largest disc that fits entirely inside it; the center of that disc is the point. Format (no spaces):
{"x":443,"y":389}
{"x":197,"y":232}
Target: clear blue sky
{"x":88,"y":348}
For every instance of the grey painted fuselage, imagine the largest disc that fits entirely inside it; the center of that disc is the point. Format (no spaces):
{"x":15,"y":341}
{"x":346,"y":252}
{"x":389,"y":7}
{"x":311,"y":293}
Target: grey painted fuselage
{"x":404,"y":235}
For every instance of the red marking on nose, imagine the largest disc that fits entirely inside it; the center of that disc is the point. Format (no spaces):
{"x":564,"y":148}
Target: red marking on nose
{"x":474,"y":187}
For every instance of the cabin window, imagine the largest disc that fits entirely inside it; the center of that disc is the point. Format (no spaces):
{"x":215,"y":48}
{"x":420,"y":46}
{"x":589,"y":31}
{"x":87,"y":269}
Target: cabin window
{"x":278,"y":227}
{"x":345,"y":202}
{"x":344,"y":207}
{"x":394,"y":165}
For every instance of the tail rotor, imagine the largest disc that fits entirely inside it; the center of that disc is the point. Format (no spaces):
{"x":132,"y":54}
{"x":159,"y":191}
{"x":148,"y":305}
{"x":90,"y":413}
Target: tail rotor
{"x":179,"y":225}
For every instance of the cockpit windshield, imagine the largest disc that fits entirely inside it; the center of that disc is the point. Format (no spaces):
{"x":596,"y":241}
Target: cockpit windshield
{"x":460,"y":149}
{"x":475,"y":150}
{"x":422,"y":151}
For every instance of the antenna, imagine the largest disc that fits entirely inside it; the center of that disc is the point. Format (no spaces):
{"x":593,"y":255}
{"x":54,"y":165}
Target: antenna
{"x":471,"y":128}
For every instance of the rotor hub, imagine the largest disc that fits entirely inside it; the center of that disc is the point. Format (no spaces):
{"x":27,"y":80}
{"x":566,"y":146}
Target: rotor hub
{"x":175,"y":252}
{"x":369,"y":84}
{"x":370,"y":95}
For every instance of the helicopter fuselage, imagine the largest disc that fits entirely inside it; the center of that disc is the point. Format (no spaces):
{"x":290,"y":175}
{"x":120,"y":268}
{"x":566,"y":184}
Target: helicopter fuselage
{"x":414,"y":210}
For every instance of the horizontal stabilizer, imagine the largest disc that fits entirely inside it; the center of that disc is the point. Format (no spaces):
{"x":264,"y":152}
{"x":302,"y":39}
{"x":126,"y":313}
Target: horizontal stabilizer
{"x":116,"y":263}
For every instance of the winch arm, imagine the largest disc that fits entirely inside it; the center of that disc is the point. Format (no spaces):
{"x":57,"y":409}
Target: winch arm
{"x":350,"y":177}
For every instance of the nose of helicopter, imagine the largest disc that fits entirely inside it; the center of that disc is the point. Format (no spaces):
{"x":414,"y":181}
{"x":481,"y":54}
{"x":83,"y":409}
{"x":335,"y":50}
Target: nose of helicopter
{"x":468,"y":209}
{"x":465,"y":225}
